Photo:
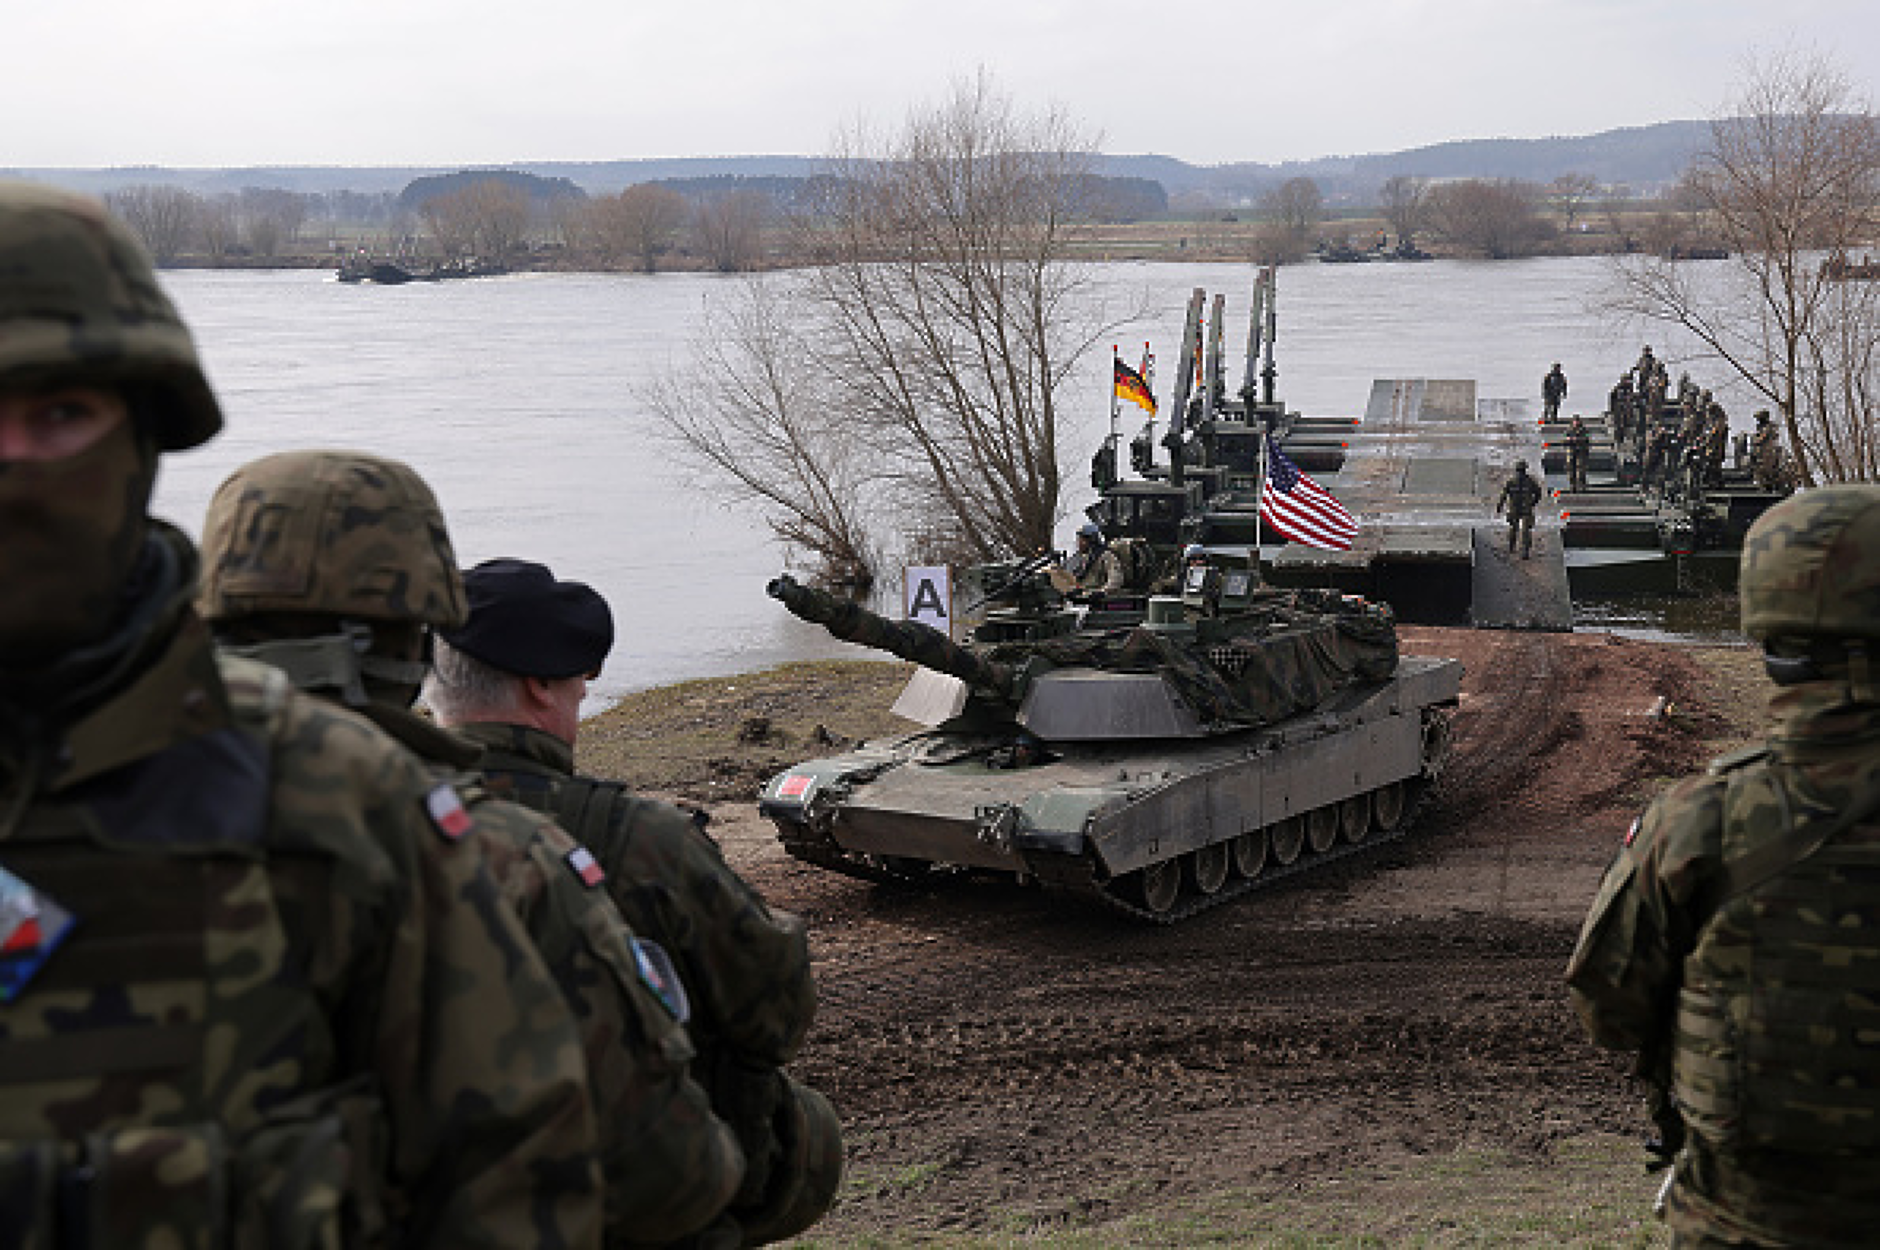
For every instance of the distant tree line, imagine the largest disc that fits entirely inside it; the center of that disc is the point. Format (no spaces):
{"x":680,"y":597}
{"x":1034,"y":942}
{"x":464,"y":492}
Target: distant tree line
{"x":726,"y":223}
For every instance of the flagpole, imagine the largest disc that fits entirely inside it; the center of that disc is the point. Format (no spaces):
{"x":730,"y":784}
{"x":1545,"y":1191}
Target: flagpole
{"x":1116,"y":358}
{"x":1259,"y":502}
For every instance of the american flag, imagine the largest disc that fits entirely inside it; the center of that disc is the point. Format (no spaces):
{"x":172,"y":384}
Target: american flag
{"x":1300,"y":508}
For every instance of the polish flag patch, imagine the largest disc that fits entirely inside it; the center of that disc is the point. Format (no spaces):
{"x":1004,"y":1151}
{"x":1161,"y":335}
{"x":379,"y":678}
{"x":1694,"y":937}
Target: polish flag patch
{"x":28,"y":937}
{"x":586,"y":867}
{"x":448,"y":814}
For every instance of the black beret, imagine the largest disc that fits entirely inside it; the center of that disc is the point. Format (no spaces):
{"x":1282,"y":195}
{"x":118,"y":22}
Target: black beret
{"x":525,"y":622}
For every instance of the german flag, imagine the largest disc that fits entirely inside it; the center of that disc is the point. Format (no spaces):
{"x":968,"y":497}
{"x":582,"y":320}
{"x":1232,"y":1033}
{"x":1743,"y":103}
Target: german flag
{"x":1130,"y":386}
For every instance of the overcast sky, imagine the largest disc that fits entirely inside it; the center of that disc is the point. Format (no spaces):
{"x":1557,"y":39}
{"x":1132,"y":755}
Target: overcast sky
{"x":479,"y":82}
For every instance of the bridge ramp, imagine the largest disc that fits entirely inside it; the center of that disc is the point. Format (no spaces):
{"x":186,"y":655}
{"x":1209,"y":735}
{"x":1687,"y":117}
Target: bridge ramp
{"x":1514,"y":593}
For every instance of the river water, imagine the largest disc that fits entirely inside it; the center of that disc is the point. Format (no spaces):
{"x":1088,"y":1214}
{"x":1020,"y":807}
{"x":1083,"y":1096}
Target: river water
{"x":520,"y":399}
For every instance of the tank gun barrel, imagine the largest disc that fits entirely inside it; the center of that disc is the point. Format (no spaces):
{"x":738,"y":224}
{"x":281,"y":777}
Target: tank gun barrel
{"x":910,"y":640}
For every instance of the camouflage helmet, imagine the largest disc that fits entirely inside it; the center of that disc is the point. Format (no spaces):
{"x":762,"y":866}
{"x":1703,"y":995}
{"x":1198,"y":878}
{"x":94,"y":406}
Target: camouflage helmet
{"x":337,"y":532}
{"x":79,"y":299}
{"x":1811,"y":566}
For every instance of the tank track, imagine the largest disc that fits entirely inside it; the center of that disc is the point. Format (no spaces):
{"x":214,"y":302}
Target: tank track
{"x":822,"y":850}
{"x":1193,"y":903}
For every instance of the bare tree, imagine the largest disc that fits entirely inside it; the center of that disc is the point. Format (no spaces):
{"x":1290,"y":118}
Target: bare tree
{"x":164,"y":218}
{"x":1296,"y":207}
{"x":756,"y":412}
{"x":730,"y":230}
{"x":1497,"y":219}
{"x":950,"y":312}
{"x":1571,"y":193}
{"x":642,"y":222}
{"x":218,"y":225}
{"x":488,"y":219}
{"x":1791,"y":175}
{"x":271,"y":217}
{"x":1403,"y":201}
{"x":451,"y":223}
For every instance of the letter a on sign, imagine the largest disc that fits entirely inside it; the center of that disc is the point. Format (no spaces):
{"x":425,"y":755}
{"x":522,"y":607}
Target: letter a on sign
{"x":930,"y":597}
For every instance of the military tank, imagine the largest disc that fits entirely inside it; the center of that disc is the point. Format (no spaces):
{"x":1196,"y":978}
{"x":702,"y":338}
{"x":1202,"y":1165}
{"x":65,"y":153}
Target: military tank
{"x":1235,"y":736}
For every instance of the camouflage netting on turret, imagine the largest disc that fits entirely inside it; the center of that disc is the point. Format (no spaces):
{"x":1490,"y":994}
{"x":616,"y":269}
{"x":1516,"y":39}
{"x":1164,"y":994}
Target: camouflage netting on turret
{"x":1282,"y":659}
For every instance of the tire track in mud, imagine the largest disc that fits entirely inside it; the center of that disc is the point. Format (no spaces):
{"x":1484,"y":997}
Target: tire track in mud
{"x":1512,"y":715}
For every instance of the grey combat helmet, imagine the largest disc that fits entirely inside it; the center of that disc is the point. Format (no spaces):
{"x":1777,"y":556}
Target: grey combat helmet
{"x":1809,"y":583}
{"x":330,"y":565}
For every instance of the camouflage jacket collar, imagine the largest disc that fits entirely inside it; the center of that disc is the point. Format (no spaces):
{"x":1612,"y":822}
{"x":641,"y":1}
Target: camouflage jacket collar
{"x":1819,"y":720}
{"x":520,"y":748}
{"x":176,"y":698}
{"x":424,"y":738}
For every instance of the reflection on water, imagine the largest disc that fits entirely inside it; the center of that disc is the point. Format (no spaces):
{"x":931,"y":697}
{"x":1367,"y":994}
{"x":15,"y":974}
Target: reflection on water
{"x":1709,"y":617}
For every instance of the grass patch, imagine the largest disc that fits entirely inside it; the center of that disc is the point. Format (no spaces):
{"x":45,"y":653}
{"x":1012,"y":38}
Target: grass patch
{"x":719,"y":738}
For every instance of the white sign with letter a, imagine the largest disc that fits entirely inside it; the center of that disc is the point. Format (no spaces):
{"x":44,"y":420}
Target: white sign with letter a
{"x":930,"y":597}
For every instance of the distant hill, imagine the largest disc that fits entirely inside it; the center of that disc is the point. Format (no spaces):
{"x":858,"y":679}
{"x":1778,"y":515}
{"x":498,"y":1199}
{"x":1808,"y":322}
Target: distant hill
{"x":1641,"y":159}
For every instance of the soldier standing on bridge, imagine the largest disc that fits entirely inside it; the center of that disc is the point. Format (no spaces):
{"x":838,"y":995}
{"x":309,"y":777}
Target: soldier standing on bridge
{"x":1519,"y":497}
{"x":1619,"y":406}
{"x":1765,"y":454}
{"x":1579,"y":451}
{"x":1553,"y":390}
{"x":1716,"y":445}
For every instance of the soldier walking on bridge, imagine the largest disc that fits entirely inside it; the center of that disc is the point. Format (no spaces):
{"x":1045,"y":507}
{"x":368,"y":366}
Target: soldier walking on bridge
{"x":1519,"y":497}
{"x":1553,"y":390}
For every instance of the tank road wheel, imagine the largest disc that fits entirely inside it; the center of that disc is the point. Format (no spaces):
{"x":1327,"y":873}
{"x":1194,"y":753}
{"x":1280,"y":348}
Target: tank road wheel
{"x":1250,"y":853}
{"x":1387,"y":804}
{"x":1322,"y":829}
{"x":1289,"y":837}
{"x":1210,"y":865}
{"x":1354,"y":817}
{"x":1159,"y":885}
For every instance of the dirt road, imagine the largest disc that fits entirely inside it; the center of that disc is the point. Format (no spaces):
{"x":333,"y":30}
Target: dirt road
{"x":1007,"y":1060}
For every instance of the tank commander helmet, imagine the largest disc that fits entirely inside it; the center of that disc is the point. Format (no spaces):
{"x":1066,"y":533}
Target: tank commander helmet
{"x":81,"y":304}
{"x":1809,"y":583}
{"x":1092,"y":531}
{"x":333,"y":565}
{"x":1762,"y":416}
{"x":1520,"y":466}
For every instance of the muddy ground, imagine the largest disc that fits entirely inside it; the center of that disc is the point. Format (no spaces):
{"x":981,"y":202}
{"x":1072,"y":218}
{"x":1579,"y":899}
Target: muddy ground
{"x":1007,"y":1060}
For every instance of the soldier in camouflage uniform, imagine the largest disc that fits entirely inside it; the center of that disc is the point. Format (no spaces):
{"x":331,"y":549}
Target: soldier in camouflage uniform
{"x":1520,"y":495}
{"x":1579,"y":452}
{"x":256,"y":984}
{"x":1765,"y":454}
{"x":1553,"y":390}
{"x":332,"y":566}
{"x":1735,"y":943}
{"x":512,"y":679}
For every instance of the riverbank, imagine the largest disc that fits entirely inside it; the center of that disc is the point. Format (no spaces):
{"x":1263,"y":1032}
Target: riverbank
{"x":1380,"y":1054}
